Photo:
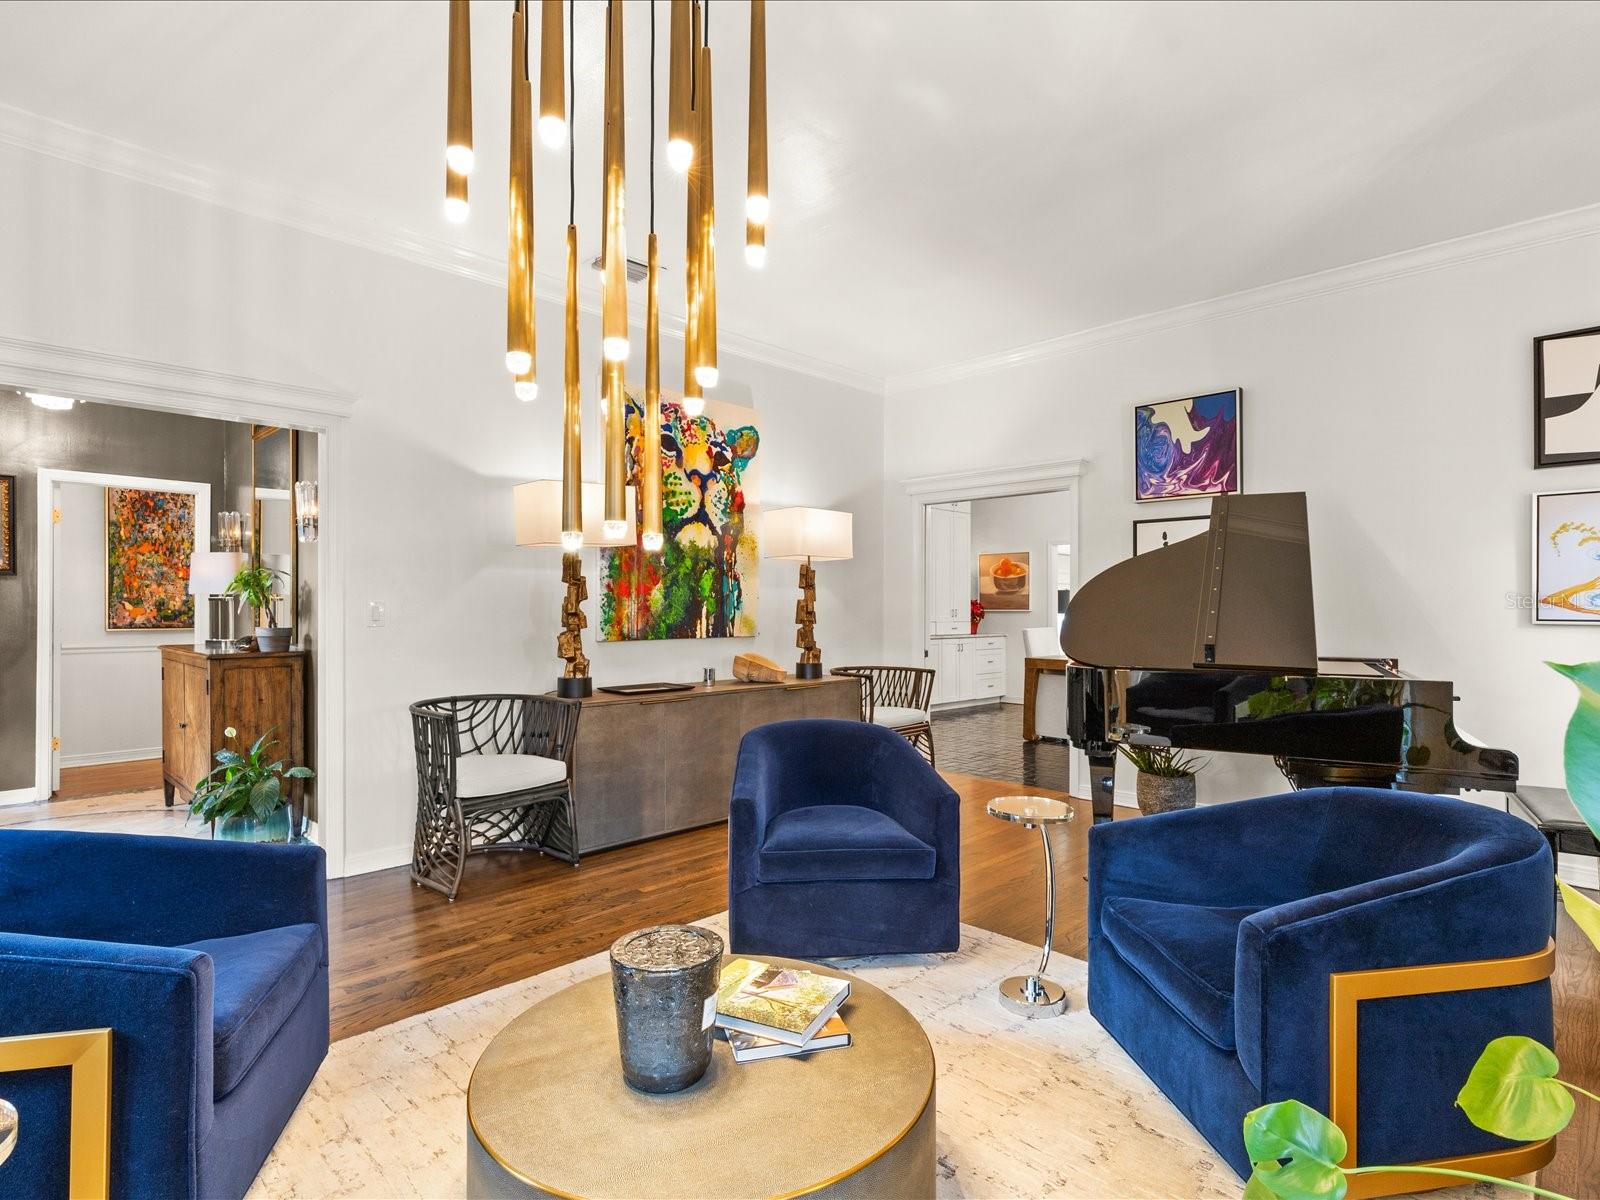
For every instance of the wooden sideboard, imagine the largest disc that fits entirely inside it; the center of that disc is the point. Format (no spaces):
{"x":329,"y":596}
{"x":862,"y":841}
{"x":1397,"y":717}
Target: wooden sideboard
{"x":649,"y":765}
{"x":203,"y":694}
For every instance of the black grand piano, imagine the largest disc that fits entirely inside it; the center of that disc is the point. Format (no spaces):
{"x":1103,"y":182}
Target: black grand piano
{"x":1210,"y":644}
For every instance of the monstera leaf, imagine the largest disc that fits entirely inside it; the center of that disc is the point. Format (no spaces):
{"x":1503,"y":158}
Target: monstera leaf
{"x":1582,"y":749}
{"x":1512,"y":1091}
{"x":1295,"y":1153}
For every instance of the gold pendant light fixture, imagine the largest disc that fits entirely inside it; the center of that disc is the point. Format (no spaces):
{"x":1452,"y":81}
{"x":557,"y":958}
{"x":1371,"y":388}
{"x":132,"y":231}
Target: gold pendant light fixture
{"x":552,"y":88}
{"x":572,"y":397}
{"x":756,"y":205}
{"x":649,"y":447}
{"x":458,"y":156}
{"x":614,"y":307}
{"x":680,"y":64}
{"x":694,"y":401}
{"x":520,"y":345}
{"x":705,"y":341}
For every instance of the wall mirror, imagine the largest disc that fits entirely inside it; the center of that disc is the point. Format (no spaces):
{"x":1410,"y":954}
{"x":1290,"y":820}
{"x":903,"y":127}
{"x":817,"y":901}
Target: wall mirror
{"x":272,"y":541}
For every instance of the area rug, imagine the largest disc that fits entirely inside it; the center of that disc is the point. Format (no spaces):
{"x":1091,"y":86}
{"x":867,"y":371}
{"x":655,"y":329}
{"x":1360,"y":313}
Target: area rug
{"x":1026,"y":1108}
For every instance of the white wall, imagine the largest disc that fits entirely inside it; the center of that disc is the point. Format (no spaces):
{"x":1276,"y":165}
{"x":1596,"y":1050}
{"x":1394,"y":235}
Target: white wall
{"x":1027,"y":523}
{"x":1402,"y":408}
{"x":438,"y":441}
{"x":109,"y":686}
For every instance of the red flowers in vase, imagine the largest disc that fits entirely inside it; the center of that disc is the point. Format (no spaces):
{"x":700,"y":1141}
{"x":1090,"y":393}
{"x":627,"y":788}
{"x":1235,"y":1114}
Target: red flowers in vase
{"x":977,"y":614}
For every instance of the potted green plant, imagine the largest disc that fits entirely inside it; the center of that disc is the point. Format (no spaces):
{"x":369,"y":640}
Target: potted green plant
{"x":245,"y":794}
{"x":1166,"y":777}
{"x":259,"y":587}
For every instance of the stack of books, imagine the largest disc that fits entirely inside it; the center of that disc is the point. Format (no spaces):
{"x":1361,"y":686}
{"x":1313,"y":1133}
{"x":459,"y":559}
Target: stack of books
{"x":774,"y":1012}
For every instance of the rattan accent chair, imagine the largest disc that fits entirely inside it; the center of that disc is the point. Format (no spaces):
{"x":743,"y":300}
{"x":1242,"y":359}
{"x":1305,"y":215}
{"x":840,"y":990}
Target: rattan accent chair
{"x":898,"y":698}
{"x":494,"y":772}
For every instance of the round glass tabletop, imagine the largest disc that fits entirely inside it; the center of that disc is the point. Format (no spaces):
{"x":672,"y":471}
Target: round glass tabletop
{"x":1030,"y":810}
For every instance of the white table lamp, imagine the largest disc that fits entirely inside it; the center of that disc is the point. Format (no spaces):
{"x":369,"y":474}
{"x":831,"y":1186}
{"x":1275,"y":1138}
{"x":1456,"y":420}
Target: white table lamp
{"x":807,"y":535}
{"x":210,"y":573}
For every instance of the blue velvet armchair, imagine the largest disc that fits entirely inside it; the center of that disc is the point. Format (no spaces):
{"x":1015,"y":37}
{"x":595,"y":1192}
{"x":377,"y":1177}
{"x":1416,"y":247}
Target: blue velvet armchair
{"x":1228,"y":946}
{"x":209,"y":963}
{"x":842,"y":840}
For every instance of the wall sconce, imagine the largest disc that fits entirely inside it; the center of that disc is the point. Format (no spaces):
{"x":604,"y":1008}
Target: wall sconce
{"x":230,"y":532}
{"x":306,"y":510}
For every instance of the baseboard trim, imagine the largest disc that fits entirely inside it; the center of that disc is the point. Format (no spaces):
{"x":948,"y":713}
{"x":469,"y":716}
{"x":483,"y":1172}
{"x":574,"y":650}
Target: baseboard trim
{"x":106,"y":757}
{"x":382,"y":859}
{"x":25,"y":795}
{"x":1580,"y":871}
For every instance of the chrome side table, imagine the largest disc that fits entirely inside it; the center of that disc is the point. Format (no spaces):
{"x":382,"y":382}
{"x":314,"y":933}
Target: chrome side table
{"x":1034,"y":995}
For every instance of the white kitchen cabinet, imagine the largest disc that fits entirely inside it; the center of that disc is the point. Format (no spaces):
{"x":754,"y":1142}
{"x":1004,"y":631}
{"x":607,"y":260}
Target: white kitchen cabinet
{"x":948,"y":570}
{"x":969,"y":668}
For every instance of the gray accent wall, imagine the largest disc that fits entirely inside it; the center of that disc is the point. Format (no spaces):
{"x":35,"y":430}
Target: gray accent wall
{"x":90,"y":437}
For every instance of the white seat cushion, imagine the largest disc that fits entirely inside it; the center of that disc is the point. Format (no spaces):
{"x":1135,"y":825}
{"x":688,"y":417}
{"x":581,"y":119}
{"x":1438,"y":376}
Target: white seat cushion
{"x":898,"y":718}
{"x":495,"y":774}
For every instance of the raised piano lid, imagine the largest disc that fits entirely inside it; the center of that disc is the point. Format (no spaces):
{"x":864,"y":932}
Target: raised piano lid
{"x":1237,"y":598}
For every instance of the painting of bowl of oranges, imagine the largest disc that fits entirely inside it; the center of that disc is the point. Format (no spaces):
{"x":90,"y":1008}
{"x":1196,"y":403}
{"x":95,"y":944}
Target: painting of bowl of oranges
{"x":1003,"y":581}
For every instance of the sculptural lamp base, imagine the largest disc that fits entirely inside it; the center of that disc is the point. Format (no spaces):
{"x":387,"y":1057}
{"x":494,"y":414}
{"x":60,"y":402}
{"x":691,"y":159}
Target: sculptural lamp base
{"x":575,"y":688}
{"x":1033,"y":996}
{"x":807,"y":670}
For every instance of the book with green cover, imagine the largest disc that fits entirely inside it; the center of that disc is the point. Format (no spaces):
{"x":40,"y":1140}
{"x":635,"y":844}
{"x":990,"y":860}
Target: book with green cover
{"x":782,"y":1003}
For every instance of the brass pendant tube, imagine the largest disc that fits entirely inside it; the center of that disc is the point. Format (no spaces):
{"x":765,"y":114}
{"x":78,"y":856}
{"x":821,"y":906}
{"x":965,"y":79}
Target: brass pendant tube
{"x":616,"y":447}
{"x":706,"y":335}
{"x":519,"y":247}
{"x":693,"y":398}
{"x":614,"y":243}
{"x":648,"y":451}
{"x":572,"y":415}
{"x":552,"y":77}
{"x":757,"y":205}
{"x":458,"y":114}
{"x":680,"y":131}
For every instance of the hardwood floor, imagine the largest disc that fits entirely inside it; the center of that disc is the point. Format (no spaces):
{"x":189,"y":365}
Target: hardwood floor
{"x":108,"y":798}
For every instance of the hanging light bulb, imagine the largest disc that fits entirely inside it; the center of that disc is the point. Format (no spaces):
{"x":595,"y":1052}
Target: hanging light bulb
{"x":680,"y":134}
{"x":705,"y":368}
{"x":614,"y":246}
{"x":458,"y":119}
{"x":520,"y":345}
{"x":527,"y":388}
{"x":755,"y":252}
{"x":552,"y":101}
{"x":455,"y":198}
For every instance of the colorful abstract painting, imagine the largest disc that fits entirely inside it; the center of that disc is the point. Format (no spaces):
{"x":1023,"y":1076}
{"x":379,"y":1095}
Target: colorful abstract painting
{"x":1187,"y":447}
{"x":149,"y":540}
{"x":703,"y":584}
{"x":1566,"y":558}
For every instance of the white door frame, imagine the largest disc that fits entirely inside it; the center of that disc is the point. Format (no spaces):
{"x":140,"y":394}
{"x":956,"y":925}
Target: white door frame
{"x":925,"y":490}
{"x":171,"y":387}
{"x":47,"y":665}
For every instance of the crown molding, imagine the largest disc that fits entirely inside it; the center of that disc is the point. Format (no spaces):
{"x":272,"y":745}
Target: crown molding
{"x":118,"y":379}
{"x":1507,"y":239}
{"x":97,"y":151}
{"x":998,"y":481}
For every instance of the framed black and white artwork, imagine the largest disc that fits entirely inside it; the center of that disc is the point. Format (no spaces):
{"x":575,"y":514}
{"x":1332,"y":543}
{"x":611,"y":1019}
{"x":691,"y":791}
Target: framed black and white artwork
{"x":1165,"y":531}
{"x":1566,"y":398}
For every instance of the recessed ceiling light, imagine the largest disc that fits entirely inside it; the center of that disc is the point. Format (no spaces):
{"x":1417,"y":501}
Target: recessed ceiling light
{"x":53,"y":403}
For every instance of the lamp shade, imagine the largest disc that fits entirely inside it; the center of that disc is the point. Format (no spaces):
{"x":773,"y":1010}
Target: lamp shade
{"x":538,"y":509}
{"x":820,"y":534}
{"x":211,"y":571}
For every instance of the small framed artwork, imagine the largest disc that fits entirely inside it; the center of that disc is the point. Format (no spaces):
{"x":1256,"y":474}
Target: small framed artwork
{"x":1566,"y":398}
{"x":1166,"y":531}
{"x":8,"y":524}
{"x":1188,"y":447}
{"x":1004,"y":583}
{"x":1566,"y":558}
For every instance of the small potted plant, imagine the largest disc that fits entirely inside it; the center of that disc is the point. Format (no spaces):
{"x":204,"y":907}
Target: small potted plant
{"x":1166,"y":777}
{"x":245,"y":794}
{"x":978,"y":612}
{"x":259,"y":587}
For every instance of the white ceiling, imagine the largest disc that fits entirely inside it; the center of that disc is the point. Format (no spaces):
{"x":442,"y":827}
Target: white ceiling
{"x":950,"y":180}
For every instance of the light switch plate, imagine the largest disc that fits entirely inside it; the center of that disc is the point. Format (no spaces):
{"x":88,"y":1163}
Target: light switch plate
{"x":375,"y":614}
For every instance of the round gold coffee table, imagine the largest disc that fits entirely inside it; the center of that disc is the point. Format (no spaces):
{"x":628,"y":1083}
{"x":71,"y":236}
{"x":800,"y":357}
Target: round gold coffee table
{"x":548,"y":1113}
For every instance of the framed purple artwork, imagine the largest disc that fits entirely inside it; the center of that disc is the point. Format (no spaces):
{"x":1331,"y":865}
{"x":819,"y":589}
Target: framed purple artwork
{"x":1188,"y":447}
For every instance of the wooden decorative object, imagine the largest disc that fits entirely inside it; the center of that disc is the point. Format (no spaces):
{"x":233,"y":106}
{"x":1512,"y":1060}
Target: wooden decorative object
{"x":757,"y":668}
{"x":805,"y":616}
{"x":573,"y":622}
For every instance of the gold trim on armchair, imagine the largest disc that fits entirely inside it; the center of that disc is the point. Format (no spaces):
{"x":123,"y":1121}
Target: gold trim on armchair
{"x":88,"y":1053}
{"x":1346,"y":990}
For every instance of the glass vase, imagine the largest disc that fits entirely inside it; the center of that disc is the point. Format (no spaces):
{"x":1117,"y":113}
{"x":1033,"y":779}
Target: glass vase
{"x":274,"y":827}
